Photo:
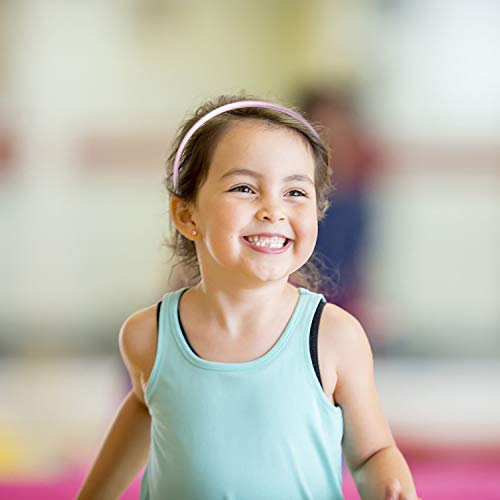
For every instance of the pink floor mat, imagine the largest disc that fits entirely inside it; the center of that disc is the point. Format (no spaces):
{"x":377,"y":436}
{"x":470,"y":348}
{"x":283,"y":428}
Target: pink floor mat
{"x":436,"y":479}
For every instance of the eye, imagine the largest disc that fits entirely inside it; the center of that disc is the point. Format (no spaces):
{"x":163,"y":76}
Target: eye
{"x":239,"y":187}
{"x":297,"y":191}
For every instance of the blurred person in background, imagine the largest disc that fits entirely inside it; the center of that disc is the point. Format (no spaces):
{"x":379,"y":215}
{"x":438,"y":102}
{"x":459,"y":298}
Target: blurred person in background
{"x":343,"y":233}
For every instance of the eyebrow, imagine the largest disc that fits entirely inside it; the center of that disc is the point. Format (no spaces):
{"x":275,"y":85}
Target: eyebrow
{"x":252,"y":173}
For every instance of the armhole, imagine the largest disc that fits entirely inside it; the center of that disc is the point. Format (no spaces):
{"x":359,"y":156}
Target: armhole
{"x":153,"y":376}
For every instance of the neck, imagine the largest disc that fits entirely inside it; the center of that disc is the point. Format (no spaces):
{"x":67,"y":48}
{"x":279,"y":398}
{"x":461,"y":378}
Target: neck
{"x":236,"y":311}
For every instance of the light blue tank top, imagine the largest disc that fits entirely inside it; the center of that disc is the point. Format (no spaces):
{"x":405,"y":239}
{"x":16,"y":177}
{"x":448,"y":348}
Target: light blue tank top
{"x":258,"y":430}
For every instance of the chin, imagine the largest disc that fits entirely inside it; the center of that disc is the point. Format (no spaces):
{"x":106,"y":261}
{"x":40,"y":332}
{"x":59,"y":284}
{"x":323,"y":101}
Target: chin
{"x":283,"y":276}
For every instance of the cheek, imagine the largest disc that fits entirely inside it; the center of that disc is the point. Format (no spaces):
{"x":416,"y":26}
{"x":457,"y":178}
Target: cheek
{"x":308,"y":230}
{"x":307,"y":220}
{"x":224,"y":225}
{"x":307,"y":233}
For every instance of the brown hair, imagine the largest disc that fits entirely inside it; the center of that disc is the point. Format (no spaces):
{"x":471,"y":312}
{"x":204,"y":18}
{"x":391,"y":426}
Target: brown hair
{"x":193,"y":171}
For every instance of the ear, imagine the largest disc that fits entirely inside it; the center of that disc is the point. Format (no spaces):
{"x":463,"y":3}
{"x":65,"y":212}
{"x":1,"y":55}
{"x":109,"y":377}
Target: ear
{"x":181,"y":214}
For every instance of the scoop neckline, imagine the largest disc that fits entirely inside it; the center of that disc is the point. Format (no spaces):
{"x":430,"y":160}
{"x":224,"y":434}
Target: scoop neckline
{"x":219,"y":365}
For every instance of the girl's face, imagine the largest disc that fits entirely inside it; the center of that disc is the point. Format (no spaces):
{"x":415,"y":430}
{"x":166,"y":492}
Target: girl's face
{"x":272,"y":193}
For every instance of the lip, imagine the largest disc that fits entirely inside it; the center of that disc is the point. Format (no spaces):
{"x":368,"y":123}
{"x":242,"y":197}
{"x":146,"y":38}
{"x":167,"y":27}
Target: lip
{"x":268,"y":250}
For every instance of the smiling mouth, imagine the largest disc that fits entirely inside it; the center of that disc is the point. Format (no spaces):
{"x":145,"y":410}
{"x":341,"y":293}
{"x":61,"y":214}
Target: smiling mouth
{"x":273,"y":242}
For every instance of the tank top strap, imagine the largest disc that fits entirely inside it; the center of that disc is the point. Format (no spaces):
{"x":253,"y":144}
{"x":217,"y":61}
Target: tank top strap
{"x":311,"y":313}
{"x":164,"y":340}
{"x":304,"y":339}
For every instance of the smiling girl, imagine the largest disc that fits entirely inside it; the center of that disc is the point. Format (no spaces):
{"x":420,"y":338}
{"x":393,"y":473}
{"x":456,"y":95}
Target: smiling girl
{"x":246,"y":386}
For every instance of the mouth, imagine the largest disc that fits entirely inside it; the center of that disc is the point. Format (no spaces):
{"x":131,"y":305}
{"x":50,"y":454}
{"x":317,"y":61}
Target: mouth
{"x":268,"y":245}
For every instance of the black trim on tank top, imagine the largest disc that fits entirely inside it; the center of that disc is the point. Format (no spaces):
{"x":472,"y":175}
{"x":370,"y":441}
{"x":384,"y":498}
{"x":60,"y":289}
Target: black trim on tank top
{"x":313,"y":335}
{"x":313,"y":339}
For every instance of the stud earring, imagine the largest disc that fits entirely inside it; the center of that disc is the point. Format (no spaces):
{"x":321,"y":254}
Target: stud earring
{"x":194,"y":232}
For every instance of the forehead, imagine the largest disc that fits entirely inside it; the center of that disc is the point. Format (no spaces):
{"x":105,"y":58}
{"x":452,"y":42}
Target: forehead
{"x":259,"y":145}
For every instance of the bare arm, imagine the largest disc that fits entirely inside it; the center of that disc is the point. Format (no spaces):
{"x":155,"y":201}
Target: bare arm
{"x":122,"y":455}
{"x":376,"y":464}
{"x":125,"y":448}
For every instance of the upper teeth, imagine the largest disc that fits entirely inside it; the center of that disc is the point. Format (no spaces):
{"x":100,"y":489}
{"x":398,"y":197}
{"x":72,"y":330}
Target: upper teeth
{"x":263,"y":241}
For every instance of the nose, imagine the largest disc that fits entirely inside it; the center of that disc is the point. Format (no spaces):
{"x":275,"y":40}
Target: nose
{"x":271,"y":211}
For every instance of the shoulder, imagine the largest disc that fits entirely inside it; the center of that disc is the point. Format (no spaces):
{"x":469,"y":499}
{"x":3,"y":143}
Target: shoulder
{"x":137,"y":341}
{"x":345,"y":334}
{"x":138,"y":333}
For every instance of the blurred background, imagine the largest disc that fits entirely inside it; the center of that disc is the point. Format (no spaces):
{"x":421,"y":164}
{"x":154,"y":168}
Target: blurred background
{"x":90,"y":96}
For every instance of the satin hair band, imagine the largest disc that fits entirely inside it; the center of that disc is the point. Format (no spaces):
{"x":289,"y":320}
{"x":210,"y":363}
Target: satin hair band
{"x":229,"y":107}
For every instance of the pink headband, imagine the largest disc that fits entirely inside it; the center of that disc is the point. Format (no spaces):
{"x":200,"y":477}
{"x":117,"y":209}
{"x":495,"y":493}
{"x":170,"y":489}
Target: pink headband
{"x":229,"y":107}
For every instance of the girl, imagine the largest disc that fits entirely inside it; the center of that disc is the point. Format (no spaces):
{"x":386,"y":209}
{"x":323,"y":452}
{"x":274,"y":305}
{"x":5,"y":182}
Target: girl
{"x":246,"y":386}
